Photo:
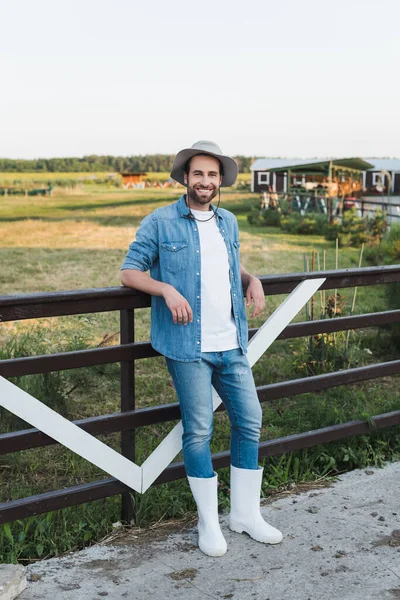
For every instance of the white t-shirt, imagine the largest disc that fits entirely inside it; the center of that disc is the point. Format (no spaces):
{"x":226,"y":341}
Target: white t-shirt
{"x":218,"y":328}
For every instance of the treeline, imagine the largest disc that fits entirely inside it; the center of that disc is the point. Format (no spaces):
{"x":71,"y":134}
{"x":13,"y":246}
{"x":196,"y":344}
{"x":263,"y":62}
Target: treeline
{"x":149,"y":162}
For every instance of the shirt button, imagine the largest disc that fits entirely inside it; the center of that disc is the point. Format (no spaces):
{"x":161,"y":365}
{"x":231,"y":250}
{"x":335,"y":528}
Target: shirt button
{"x":197,"y":296}
{"x":195,"y":229}
{"x":198,"y":342}
{"x":198,"y":320}
{"x":234,"y":294}
{"x":197,"y":251}
{"x":173,"y":247}
{"x":197,"y":273}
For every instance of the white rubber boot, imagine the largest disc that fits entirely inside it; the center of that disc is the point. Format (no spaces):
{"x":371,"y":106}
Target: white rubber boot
{"x":204,"y":490}
{"x":245,"y":512}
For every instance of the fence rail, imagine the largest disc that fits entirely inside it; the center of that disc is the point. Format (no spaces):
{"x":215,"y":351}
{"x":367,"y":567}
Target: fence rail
{"x":368,"y":205}
{"x":308,"y":201}
{"x":130,"y":418}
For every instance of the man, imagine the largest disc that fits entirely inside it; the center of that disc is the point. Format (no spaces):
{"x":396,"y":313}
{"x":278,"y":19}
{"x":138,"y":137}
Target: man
{"x":199,"y":324}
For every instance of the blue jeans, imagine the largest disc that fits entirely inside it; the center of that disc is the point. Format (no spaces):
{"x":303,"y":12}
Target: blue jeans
{"x":230,"y":373}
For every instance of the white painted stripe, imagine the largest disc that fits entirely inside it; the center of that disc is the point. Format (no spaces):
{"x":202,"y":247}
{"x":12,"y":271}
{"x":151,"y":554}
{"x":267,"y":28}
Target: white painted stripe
{"x":73,"y":437}
{"x":162,"y":456}
{"x":281,"y":317}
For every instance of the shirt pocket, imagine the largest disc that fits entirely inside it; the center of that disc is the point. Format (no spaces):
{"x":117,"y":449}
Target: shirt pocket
{"x":174,"y":255}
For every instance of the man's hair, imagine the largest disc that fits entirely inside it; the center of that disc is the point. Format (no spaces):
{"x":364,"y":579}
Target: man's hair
{"x":186,"y":166}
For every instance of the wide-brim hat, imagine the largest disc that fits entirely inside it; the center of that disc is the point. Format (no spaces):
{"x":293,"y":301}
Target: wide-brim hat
{"x":230,"y":168}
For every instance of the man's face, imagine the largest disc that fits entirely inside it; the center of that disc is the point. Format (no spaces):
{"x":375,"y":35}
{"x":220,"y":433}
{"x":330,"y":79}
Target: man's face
{"x":203,"y":180}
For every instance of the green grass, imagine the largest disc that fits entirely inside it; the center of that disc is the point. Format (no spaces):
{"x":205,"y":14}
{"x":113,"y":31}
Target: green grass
{"x":38,"y":176}
{"x":79,"y":241}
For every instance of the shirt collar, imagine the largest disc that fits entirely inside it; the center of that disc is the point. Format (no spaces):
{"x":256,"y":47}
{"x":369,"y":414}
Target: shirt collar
{"x":184,"y":210}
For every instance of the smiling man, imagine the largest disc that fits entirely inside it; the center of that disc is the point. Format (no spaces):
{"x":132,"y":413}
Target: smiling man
{"x":198,"y":322}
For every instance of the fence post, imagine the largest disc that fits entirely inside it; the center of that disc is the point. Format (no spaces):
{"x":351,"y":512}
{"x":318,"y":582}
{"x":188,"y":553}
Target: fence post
{"x":127,"y":336}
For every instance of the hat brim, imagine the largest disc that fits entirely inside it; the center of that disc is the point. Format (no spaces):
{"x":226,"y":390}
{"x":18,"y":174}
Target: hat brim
{"x":230,"y":166}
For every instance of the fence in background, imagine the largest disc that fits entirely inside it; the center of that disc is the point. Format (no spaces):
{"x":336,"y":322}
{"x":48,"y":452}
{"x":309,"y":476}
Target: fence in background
{"x":312,"y":201}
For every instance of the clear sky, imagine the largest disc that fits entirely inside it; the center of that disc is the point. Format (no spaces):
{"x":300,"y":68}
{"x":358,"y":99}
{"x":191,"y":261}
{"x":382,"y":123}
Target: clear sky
{"x":268,"y":77}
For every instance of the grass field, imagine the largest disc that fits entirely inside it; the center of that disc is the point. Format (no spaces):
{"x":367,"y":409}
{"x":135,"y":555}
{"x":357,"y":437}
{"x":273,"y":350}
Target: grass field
{"x":45,"y":176}
{"x":79,"y":241}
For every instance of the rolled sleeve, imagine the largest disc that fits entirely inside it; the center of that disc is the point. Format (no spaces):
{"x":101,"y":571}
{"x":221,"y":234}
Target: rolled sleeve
{"x":144,"y":250}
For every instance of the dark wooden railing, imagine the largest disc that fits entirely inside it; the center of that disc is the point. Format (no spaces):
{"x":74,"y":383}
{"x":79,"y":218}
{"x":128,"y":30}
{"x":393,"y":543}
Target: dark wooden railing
{"x":15,"y":308}
{"x":366,"y":204}
{"x":380,"y":201}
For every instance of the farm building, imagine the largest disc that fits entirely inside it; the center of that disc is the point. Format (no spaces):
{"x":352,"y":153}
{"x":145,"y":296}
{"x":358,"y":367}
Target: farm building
{"x":132,"y":180}
{"x":375,"y":180}
{"x":368,"y":175}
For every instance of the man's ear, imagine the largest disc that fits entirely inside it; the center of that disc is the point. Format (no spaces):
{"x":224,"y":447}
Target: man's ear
{"x":185,"y":178}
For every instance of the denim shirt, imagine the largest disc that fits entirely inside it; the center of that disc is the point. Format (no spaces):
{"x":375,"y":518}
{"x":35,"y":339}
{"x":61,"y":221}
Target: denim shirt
{"x":168,"y":244}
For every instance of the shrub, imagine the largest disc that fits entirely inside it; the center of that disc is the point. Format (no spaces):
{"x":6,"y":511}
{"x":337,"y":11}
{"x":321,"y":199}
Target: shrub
{"x":264,"y":218}
{"x":388,"y":251}
{"x":353,"y":230}
{"x":378,"y":225}
{"x":312,"y":224}
{"x":375,"y":255}
{"x":391,"y":243}
{"x":285,"y":206}
{"x":325,"y":353}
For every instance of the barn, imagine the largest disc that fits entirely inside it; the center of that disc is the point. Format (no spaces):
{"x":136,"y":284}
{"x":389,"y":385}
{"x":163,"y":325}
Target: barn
{"x":282,"y":175}
{"x":132,"y":180}
{"x":370,"y":175}
{"x":375,"y":180}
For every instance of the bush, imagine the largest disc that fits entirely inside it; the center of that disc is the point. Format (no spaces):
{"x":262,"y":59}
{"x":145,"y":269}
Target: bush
{"x":353,"y":230}
{"x":378,"y":225}
{"x":391,"y":243}
{"x":312,"y":224}
{"x":388,"y":251}
{"x":325,"y":353}
{"x":264,"y":218}
{"x":390,"y":254}
{"x":392,"y":297}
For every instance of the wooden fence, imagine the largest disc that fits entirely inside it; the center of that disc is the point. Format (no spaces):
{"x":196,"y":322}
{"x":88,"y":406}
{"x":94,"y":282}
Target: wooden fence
{"x":125,"y":300}
{"x":312,"y":201}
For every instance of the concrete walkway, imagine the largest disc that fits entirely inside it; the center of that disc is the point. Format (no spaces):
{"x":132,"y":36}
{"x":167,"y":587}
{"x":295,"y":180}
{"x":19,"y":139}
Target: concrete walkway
{"x":340,"y":542}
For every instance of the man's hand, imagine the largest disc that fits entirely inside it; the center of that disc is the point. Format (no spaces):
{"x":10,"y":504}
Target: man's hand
{"x":178,"y":305}
{"x":255,"y":293}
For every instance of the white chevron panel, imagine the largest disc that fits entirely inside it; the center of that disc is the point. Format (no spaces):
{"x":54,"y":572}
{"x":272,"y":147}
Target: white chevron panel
{"x":73,"y":437}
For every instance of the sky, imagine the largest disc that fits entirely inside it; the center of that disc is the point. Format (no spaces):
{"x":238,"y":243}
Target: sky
{"x":283,"y":78}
